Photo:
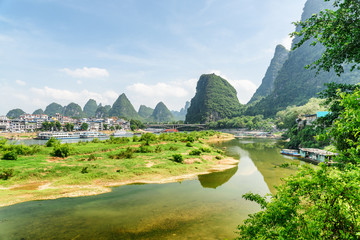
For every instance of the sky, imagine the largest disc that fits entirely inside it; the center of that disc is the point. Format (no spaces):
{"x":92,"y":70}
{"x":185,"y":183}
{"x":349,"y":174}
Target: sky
{"x":70,"y":51}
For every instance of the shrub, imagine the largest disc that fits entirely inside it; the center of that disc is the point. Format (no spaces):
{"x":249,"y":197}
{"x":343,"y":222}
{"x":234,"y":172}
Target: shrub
{"x":52,"y":142}
{"x":189,"y":144}
{"x":135,"y":138}
{"x":173,"y":148}
{"x":84,"y":170}
{"x":190,"y":139}
{"x":92,"y":157}
{"x":128,"y":153}
{"x":5,"y":174}
{"x":218,"y":157}
{"x":61,"y":150}
{"x":204,"y":149}
{"x":95,"y":140}
{"x":158,"y":149}
{"x":145,"y":149}
{"x":10,"y":156}
{"x":195,"y":152}
{"x":148,"y":137}
{"x":178,"y":158}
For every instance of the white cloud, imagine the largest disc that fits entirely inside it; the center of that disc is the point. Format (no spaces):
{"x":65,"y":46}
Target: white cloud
{"x":20,"y":83}
{"x":158,"y":90}
{"x":245,"y":88}
{"x":286,"y":42}
{"x":66,"y":96}
{"x":86,"y":72}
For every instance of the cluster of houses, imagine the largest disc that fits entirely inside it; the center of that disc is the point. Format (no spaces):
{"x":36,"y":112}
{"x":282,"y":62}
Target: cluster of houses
{"x":33,"y":123}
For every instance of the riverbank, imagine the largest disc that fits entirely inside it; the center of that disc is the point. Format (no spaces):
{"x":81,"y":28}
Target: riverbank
{"x":42,"y":176}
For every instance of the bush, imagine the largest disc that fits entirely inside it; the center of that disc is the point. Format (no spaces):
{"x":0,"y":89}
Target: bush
{"x":52,"y":142}
{"x":128,"y":153}
{"x":84,"y":170}
{"x":204,"y":149}
{"x":190,"y":139}
{"x":178,"y":158}
{"x":173,"y":148}
{"x":61,"y":150}
{"x":195,"y":152}
{"x":158,"y":149}
{"x":10,"y":156}
{"x":189,"y":144}
{"x":5,"y":174}
{"x":92,"y":157}
{"x":135,"y":138}
{"x":95,"y":140}
{"x":148,"y":137}
{"x":145,"y":149}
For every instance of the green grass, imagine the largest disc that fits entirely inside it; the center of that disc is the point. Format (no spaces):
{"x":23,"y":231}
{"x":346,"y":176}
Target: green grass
{"x":92,"y":161}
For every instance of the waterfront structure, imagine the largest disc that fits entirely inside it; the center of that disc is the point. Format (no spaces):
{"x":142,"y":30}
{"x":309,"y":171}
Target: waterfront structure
{"x":315,"y":154}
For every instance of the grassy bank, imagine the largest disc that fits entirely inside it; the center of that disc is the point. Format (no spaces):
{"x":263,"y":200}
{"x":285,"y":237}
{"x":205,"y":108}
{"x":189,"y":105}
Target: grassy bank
{"x":91,"y":167}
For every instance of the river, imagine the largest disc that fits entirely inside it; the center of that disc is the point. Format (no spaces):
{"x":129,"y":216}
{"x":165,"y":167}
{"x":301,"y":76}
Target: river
{"x":209,"y":207}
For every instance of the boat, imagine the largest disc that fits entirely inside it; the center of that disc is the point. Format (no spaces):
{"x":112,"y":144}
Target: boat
{"x":290,"y":152}
{"x":92,"y":135}
{"x":57,"y":135}
{"x":119,"y":133}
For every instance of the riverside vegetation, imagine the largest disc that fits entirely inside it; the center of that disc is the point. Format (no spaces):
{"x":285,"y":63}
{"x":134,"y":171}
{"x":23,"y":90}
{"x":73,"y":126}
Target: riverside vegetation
{"x":62,"y":169}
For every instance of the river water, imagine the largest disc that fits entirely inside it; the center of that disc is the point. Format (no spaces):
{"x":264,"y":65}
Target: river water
{"x":209,"y":207}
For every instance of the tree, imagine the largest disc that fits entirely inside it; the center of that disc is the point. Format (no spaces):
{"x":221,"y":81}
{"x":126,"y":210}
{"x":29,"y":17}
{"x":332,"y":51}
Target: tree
{"x":345,"y":130}
{"x":338,"y":31}
{"x":84,"y":126}
{"x":69,"y":127}
{"x":316,"y":203}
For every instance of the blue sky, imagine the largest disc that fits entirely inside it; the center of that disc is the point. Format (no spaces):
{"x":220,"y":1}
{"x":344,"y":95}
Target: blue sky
{"x":69,"y":51}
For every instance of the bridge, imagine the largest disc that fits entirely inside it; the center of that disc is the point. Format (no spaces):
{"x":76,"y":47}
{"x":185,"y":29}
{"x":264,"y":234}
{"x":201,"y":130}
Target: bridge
{"x":180,"y":127}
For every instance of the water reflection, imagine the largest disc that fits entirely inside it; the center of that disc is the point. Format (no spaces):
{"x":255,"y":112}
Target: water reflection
{"x":216,"y":179}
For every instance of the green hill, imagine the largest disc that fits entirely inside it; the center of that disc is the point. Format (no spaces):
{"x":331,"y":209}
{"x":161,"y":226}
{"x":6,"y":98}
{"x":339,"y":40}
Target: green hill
{"x":73,"y":110}
{"x":215,"y":99}
{"x":90,"y":108}
{"x":161,"y":114}
{"x":102,"y":111}
{"x":122,"y":107}
{"x":145,"y":112}
{"x":53,"y":108}
{"x":15,"y":113}
{"x":295,"y":85}
{"x":38,"y":112}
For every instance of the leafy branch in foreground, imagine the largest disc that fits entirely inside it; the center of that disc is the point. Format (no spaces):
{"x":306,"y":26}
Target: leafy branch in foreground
{"x":337,"y":29}
{"x":322,"y":203}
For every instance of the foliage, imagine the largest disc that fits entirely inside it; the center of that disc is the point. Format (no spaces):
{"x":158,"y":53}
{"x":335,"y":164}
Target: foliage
{"x":215,"y":99}
{"x":51,"y":126}
{"x":84,"y":126}
{"x":69,"y":127}
{"x":12,"y":155}
{"x":128,"y":153}
{"x":53,"y":108}
{"x":189,"y":144}
{"x":84,"y":170}
{"x":136,"y":124}
{"x":144,"y":149}
{"x":38,"y":112}
{"x":205,"y":149}
{"x":147,"y":138}
{"x":173,"y":148}
{"x":95,"y":140}
{"x":178,"y":158}
{"x":117,"y":140}
{"x":102,"y":112}
{"x":345,"y":130}
{"x":286,"y":118}
{"x":92,"y":157}
{"x":5,"y":174}
{"x":135,"y":138}
{"x":316,"y":203}
{"x":294,"y":84}
{"x":158,"y":149}
{"x":52,"y":142}
{"x":195,"y":152}
{"x":62,"y":150}
{"x":338,"y":30}
{"x":250,"y":122}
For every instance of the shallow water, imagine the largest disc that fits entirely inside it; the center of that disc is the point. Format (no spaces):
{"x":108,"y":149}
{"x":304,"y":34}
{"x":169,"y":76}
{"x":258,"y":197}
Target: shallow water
{"x":207,"y":208}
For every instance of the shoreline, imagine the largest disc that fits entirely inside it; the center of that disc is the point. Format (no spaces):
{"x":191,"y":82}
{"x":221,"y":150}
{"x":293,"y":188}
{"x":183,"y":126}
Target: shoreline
{"x":45,"y":190}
